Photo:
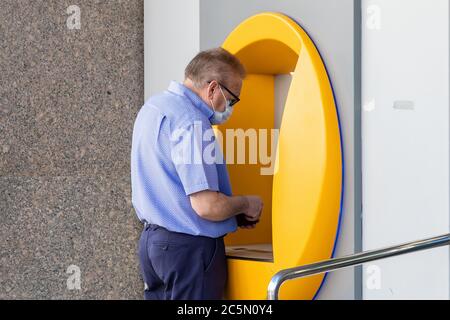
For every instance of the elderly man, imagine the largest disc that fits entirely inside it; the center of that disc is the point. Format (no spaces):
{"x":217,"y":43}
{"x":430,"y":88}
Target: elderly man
{"x":187,"y":207}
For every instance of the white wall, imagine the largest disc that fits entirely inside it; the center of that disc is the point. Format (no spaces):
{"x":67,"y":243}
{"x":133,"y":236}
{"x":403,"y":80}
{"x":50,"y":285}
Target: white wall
{"x":171,"y":40}
{"x":405,"y":139}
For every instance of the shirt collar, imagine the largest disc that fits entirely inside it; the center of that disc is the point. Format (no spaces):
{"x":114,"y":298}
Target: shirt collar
{"x":180,"y":89}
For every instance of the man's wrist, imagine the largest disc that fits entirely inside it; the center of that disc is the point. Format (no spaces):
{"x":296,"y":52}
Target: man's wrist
{"x":245,"y":205}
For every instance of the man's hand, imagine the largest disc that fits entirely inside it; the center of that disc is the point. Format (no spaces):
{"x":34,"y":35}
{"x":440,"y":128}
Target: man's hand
{"x":255,"y":206}
{"x":251,"y":216}
{"x":242,"y":222}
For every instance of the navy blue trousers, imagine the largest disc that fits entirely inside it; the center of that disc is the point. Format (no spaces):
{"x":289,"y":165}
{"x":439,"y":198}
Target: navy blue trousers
{"x":179,"y":266}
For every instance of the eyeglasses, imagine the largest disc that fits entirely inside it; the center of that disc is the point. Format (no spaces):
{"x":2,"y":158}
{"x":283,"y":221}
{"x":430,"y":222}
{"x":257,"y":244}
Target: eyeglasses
{"x":233,"y":101}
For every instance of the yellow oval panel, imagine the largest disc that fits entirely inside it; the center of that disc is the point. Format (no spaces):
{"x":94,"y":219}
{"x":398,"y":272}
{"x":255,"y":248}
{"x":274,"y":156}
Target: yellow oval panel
{"x":302,"y":199}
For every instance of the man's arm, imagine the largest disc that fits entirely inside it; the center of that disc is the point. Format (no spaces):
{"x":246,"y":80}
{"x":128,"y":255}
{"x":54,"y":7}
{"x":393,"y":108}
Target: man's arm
{"x":216,"y":206}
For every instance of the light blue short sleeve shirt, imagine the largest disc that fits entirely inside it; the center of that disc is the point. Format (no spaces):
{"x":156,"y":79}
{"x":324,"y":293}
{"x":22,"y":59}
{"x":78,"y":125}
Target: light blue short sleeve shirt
{"x":171,"y":136}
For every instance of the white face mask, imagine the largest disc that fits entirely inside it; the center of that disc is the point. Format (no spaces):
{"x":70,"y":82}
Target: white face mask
{"x":220,"y":117}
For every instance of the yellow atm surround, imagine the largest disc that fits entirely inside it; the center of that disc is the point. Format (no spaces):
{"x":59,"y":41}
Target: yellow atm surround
{"x":302,"y":199}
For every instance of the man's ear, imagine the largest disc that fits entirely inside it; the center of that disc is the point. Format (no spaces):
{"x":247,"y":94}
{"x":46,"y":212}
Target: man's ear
{"x":212,"y":87}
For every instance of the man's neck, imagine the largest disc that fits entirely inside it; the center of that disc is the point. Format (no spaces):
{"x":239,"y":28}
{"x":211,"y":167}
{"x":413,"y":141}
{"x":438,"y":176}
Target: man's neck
{"x":189,"y":84}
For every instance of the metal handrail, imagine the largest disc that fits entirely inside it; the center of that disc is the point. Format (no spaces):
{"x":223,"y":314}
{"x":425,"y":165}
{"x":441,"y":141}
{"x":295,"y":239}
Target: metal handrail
{"x":352,"y":260}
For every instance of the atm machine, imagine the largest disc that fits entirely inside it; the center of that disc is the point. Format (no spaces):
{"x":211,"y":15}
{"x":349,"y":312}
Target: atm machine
{"x":302,"y":196}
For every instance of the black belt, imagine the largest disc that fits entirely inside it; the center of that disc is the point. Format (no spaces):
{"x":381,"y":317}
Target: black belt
{"x":148,"y":224}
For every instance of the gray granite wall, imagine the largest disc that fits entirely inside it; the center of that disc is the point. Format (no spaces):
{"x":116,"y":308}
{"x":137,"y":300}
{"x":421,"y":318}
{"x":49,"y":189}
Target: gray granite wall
{"x":68,"y":99}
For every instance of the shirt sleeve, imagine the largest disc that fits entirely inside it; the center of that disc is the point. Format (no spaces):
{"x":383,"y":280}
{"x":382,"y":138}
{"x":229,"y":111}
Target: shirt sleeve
{"x":192,"y":158}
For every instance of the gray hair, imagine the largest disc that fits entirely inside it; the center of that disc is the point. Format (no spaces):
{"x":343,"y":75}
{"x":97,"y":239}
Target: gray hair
{"x":213,"y":64}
